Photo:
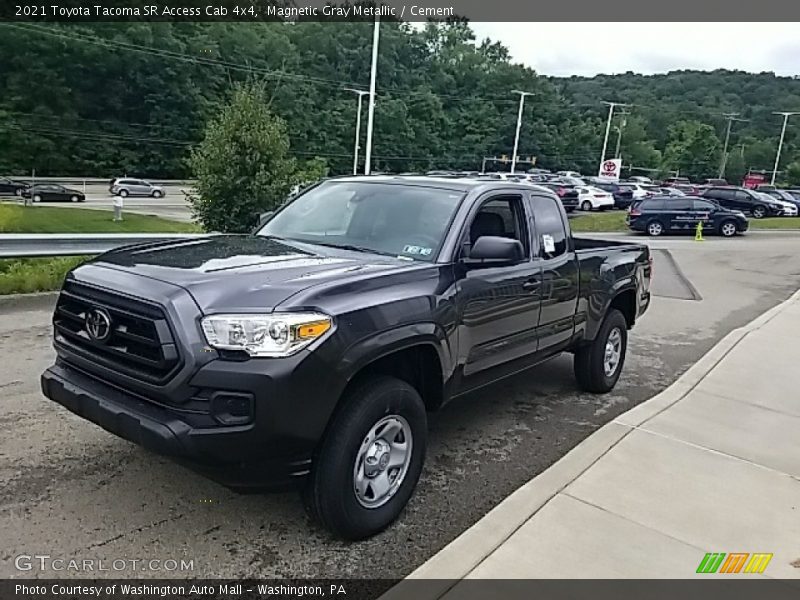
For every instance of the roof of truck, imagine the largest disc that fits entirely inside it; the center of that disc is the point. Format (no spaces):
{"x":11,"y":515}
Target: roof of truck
{"x":464,"y":184}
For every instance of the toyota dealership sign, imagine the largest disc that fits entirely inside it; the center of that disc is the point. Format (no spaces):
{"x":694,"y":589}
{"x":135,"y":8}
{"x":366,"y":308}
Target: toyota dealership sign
{"x":609,"y":169}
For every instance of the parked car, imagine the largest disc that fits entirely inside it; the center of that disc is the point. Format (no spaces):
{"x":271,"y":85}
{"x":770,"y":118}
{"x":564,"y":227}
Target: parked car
{"x":52,"y":192}
{"x":386,"y":298}
{"x":623,"y":195}
{"x":676,"y":180}
{"x":637,"y":190}
{"x":659,"y":215}
{"x":9,"y":187}
{"x":745,"y":200}
{"x":567,"y":194}
{"x":794,"y":193}
{"x":786,"y":196}
{"x":670,"y":191}
{"x":569,"y":180}
{"x":640,"y":179}
{"x":569,"y":174}
{"x":789,"y":208}
{"x":135,"y":187}
{"x":716,"y":181}
{"x":689,"y":189}
{"x":593,"y":198}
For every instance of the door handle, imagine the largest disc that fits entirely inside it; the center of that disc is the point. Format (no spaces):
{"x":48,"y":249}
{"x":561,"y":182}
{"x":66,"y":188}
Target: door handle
{"x":532,"y":284}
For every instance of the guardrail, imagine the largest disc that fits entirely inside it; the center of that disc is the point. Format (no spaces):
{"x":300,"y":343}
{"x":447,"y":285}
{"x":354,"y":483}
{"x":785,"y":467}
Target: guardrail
{"x":26,"y":245}
{"x":98,"y":180}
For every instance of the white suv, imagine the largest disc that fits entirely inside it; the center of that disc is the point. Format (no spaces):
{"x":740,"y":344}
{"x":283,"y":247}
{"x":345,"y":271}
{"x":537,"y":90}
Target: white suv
{"x":135,"y":187}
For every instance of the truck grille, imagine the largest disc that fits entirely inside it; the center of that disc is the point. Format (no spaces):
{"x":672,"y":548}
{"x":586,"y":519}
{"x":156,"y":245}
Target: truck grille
{"x":134,"y":339}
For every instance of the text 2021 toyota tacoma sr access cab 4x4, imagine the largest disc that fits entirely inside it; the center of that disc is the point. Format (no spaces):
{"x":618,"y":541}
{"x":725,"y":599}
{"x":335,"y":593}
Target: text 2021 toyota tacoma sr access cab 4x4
{"x":311,"y":351}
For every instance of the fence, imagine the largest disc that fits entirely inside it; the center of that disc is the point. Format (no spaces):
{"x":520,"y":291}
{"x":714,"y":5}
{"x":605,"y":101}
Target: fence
{"x":25,"y":245}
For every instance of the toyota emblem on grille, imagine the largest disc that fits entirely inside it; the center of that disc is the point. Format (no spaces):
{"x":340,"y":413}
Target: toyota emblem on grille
{"x":98,"y":324}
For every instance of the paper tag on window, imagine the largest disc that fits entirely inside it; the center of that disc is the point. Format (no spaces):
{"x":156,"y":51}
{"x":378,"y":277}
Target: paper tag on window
{"x":549,"y":243}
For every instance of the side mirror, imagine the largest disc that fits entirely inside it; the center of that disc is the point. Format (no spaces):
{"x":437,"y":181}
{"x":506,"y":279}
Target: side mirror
{"x":493,"y":251}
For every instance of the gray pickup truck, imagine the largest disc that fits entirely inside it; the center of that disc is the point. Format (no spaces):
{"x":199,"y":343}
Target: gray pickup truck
{"x":311,"y":351}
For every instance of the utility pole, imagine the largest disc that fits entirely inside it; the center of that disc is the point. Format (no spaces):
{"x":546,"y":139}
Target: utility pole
{"x":372,"y":77}
{"x":361,"y":94}
{"x":611,"y":106}
{"x":730,"y":117}
{"x":786,"y":116}
{"x":620,"y":127}
{"x":519,"y":124}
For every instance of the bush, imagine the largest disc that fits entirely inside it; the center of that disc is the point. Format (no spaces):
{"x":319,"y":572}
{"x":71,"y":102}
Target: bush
{"x":242,"y":166}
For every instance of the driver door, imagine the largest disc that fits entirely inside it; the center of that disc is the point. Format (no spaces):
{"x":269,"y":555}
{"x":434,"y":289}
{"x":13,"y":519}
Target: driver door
{"x":498,"y":306}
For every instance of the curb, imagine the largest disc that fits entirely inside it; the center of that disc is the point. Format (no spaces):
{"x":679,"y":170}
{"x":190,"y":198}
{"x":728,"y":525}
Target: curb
{"x":23,"y":302}
{"x":456,"y":560}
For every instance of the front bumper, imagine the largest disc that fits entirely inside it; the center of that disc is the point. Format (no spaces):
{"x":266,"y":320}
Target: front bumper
{"x":273,"y":451}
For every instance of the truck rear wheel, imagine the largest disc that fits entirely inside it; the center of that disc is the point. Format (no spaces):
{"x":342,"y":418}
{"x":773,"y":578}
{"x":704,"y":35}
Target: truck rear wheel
{"x":370,"y":459}
{"x":597,"y":366}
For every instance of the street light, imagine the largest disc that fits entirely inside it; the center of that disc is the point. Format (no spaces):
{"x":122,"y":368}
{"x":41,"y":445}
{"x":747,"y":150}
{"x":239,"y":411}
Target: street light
{"x":786,"y":116}
{"x":611,"y":106}
{"x":361,"y":94}
{"x":373,"y":75}
{"x":519,"y":124}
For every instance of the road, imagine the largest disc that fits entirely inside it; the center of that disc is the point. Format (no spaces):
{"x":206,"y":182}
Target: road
{"x":172,"y":206}
{"x":71,"y":490}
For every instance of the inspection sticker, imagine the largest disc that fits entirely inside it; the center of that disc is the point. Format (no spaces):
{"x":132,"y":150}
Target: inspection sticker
{"x":418,"y":250}
{"x":548,"y":243}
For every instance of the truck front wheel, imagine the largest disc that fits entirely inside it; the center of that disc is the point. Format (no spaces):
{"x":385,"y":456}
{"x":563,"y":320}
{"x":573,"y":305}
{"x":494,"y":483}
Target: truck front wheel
{"x":598,"y":365}
{"x":370,"y":459}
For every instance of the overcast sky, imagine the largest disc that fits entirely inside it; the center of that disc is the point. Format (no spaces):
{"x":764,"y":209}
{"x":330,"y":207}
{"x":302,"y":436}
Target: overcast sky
{"x":565,"y":49}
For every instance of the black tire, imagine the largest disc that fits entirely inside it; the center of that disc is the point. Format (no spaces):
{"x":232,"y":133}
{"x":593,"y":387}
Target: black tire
{"x":655,"y":228}
{"x":157,"y":194}
{"x":18,"y":192}
{"x":74,"y":199}
{"x":725,"y":229}
{"x":123,"y":193}
{"x":37,"y":198}
{"x":759,"y":212}
{"x":586,"y":206}
{"x":330,"y":496}
{"x":588,"y":364}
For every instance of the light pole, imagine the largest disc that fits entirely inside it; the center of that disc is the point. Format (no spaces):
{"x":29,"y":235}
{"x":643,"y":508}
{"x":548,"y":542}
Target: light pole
{"x":621,"y":126}
{"x":611,"y":106}
{"x":519,"y":124}
{"x":372,"y":76}
{"x":731,"y":117}
{"x":361,"y":94}
{"x":786,"y":116}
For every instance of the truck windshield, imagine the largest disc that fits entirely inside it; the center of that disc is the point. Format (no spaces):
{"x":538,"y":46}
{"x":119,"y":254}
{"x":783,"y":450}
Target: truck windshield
{"x":400,"y":220}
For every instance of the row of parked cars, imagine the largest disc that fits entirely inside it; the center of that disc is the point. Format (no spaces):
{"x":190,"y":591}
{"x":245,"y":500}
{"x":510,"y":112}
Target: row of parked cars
{"x":720,"y":209}
{"x":53,"y":192}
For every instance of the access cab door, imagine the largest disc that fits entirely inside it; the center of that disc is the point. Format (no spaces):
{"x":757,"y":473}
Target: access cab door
{"x":498,"y":306}
{"x":555,"y":255}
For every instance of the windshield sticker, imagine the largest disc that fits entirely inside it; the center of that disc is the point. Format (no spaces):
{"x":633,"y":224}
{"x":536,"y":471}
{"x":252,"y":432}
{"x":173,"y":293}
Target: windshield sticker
{"x":417,"y":250}
{"x":549,"y":243}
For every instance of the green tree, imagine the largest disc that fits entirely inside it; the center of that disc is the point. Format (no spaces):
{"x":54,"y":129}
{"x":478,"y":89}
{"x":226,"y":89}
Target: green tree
{"x":242,"y":166}
{"x":793,"y":173}
{"x":693,"y":148}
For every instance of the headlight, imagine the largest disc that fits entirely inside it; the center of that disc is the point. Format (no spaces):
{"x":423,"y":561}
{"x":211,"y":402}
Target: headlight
{"x":275,"y":335}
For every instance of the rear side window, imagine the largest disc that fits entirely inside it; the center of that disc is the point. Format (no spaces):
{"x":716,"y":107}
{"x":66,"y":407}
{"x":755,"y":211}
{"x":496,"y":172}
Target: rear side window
{"x":652,"y":205}
{"x":743,"y":196}
{"x":678,"y":204}
{"x":549,"y":227}
{"x":721,"y":194}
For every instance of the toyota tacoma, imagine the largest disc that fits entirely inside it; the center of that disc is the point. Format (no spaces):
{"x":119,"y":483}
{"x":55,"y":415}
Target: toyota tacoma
{"x":311,"y":351}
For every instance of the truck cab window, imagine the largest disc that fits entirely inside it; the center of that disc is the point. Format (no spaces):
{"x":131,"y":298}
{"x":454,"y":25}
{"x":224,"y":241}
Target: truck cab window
{"x":549,"y":227}
{"x":500,"y":217}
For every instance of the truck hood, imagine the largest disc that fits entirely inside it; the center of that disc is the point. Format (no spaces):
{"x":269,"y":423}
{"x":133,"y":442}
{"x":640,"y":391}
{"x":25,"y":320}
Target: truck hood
{"x":244,"y":273}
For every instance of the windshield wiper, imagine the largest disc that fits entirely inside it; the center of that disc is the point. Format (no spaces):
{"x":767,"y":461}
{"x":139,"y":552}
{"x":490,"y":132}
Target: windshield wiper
{"x":353,"y":248}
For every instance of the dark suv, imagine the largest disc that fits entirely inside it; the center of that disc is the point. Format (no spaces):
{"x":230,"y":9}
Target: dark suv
{"x":744,"y":200}
{"x":675,"y":214}
{"x":623,"y":195}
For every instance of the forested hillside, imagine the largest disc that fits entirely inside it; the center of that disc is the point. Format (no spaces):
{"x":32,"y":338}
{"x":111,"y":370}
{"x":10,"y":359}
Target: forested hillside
{"x":105,"y":99}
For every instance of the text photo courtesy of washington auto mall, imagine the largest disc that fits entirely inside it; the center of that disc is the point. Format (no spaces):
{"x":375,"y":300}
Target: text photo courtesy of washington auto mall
{"x":399,"y":300}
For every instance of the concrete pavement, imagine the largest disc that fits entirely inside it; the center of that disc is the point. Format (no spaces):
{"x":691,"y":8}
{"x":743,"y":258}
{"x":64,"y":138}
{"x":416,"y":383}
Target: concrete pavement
{"x":712,"y":464}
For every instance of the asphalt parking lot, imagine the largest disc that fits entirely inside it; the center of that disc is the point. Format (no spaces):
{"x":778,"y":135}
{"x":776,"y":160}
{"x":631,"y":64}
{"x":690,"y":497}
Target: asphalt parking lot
{"x":71,"y":490}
